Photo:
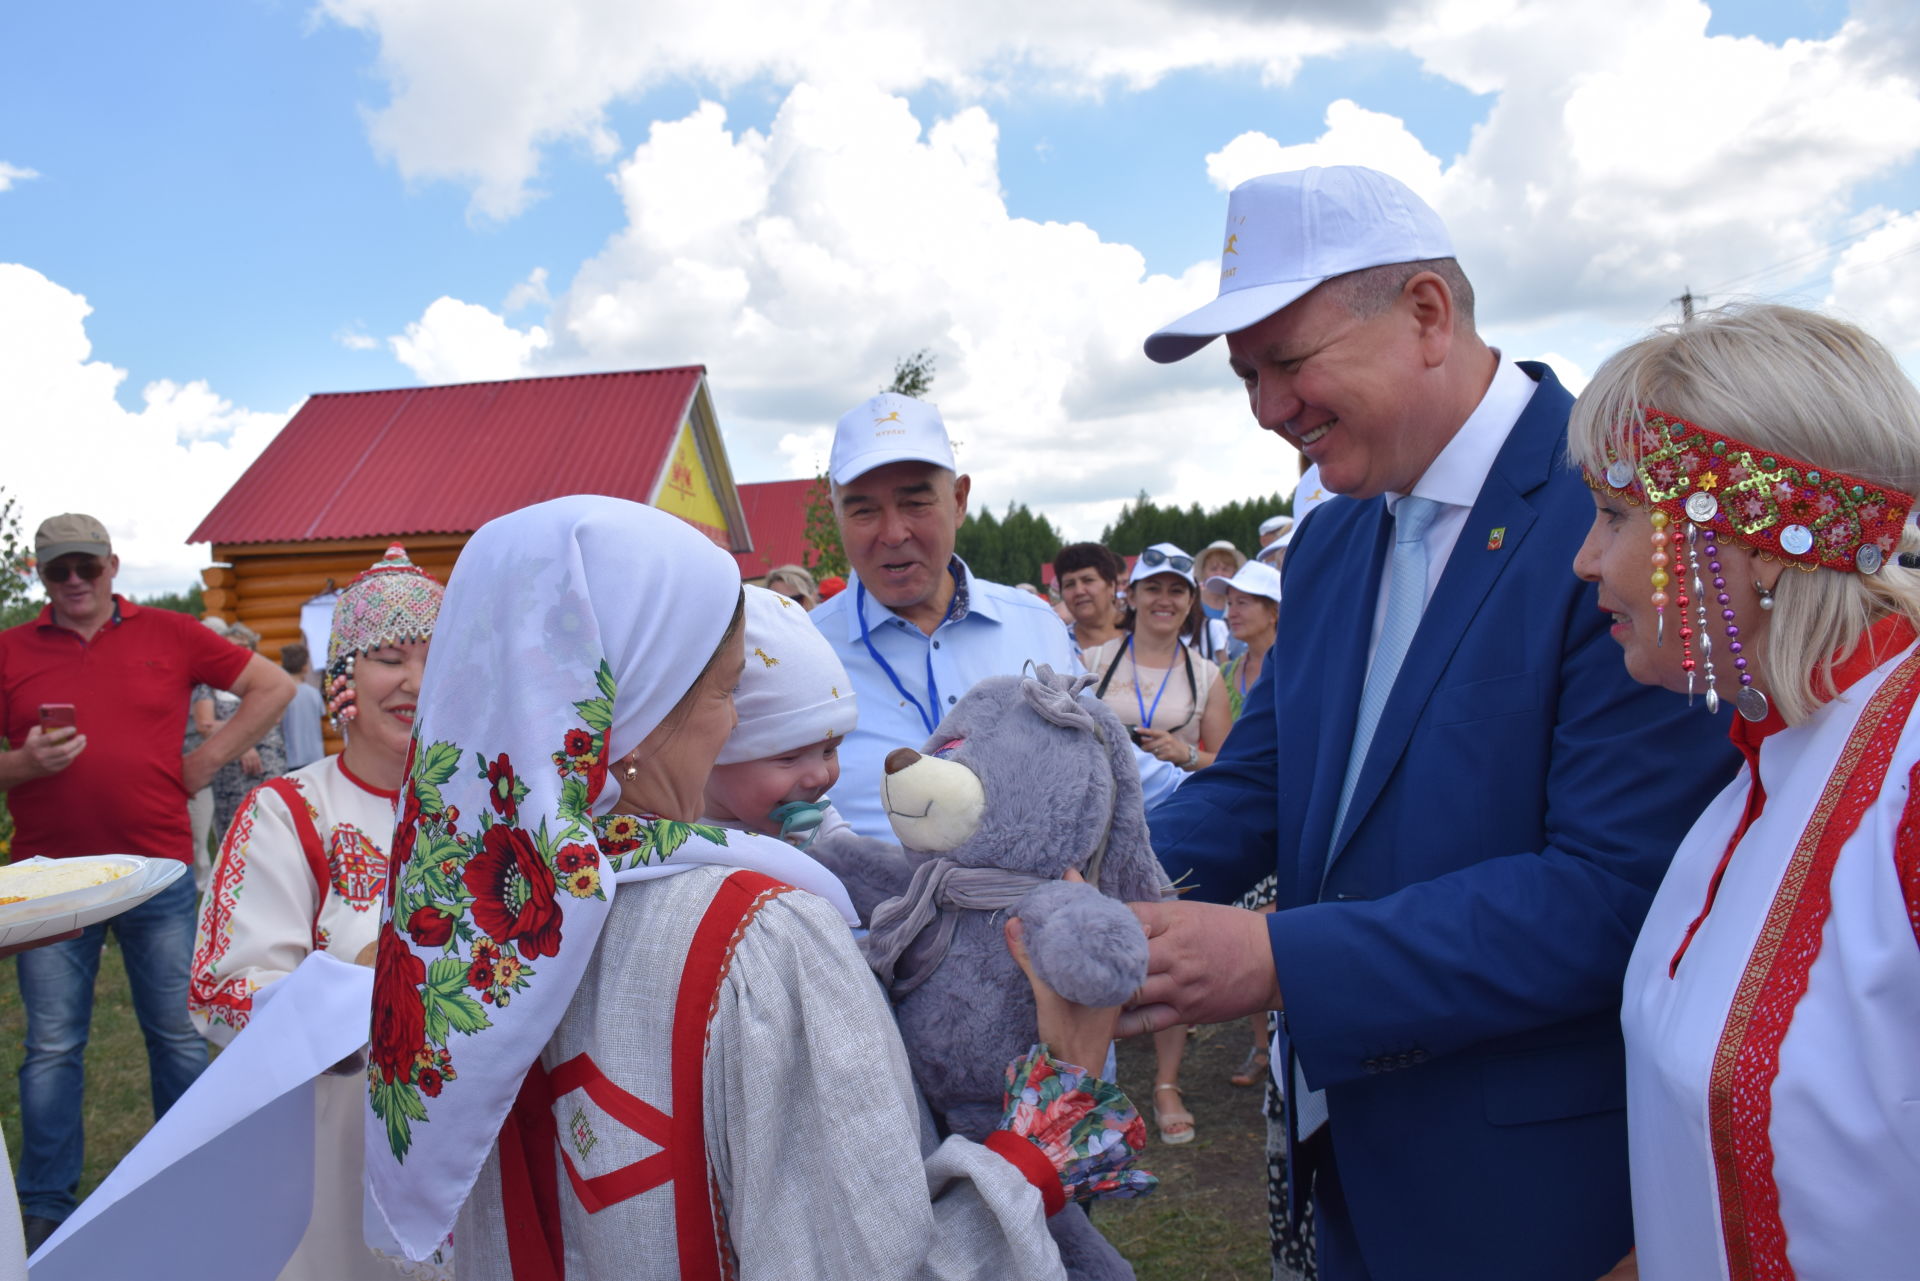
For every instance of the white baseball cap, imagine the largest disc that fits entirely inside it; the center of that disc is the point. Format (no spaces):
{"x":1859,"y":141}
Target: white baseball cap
{"x":889,"y":428}
{"x":1307,"y":495}
{"x":1162,"y":558}
{"x":1256,"y":578}
{"x":1287,"y":232}
{"x":793,"y":691}
{"x":1275,"y":524}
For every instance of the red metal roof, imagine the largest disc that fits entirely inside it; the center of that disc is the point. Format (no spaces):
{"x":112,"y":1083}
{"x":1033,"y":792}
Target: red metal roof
{"x":777,"y":518}
{"x":443,"y":460}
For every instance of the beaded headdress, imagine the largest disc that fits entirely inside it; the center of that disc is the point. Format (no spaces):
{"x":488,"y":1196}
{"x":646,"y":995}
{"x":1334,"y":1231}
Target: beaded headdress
{"x":392,"y":602}
{"x":1716,"y":487}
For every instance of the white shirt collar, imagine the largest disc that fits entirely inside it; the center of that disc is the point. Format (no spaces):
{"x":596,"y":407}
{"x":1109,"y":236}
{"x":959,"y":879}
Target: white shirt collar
{"x":1456,"y":476}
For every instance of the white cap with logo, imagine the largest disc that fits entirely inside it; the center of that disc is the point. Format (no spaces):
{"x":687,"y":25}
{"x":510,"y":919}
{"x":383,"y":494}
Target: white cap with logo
{"x":1288,"y":232}
{"x":1256,"y":578}
{"x":889,"y":428}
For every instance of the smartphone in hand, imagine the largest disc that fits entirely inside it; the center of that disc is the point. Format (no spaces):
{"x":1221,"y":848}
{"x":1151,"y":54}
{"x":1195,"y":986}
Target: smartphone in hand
{"x":55,"y":716}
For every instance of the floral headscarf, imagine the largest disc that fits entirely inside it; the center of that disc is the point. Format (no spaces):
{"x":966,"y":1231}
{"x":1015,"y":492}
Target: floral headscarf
{"x":570,"y":629}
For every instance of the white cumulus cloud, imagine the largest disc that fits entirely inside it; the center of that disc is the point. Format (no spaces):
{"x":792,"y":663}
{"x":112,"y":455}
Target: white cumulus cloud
{"x":458,"y":342}
{"x":149,"y":474}
{"x":10,"y":174}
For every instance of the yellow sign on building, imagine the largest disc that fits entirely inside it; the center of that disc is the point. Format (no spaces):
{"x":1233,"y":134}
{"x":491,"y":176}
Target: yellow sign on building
{"x":687,"y":489}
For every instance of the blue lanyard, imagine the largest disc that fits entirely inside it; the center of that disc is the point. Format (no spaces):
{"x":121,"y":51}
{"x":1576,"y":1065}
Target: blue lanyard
{"x":933,"y":687}
{"x":1146,"y":713}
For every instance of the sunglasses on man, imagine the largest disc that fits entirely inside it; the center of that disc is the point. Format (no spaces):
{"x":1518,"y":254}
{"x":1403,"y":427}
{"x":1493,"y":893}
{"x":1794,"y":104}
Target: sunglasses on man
{"x":1154,"y":558}
{"x":88,"y":570}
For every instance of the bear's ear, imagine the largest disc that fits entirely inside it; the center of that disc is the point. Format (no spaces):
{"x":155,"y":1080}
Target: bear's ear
{"x":1056,"y":697}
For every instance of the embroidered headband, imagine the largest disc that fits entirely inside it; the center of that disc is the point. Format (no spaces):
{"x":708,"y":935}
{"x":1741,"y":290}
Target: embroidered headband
{"x":1805,"y":515}
{"x":1721,"y":488}
{"x":390,"y":603}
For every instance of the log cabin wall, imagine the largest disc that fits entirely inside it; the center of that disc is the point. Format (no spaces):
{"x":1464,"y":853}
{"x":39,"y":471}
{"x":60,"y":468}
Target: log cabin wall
{"x":264,"y":584}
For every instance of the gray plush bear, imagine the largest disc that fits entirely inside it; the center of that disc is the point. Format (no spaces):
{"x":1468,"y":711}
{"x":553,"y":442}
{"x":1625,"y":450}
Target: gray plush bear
{"x":1023,"y":780}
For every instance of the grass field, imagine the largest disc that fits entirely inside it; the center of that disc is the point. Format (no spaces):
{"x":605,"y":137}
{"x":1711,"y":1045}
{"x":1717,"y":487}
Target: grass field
{"x":118,"y":1107}
{"x":1207,"y":1221}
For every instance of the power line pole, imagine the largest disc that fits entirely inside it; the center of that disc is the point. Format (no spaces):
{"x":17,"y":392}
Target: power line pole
{"x":1686,"y":301}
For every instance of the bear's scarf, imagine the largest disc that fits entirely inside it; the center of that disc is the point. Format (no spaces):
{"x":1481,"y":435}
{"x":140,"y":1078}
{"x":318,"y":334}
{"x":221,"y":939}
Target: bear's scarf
{"x":939,"y":891}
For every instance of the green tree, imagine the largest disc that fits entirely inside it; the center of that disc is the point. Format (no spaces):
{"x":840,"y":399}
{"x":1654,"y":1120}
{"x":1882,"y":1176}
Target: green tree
{"x":1010,"y":548}
{"x":824,"y":554}
{"x":1143,"y":523}
{"x":20,"y":593}
{"x":187,"y":602}
{"x":912,"y":376}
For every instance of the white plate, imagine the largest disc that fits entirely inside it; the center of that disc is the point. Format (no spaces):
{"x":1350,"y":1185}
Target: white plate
{"x":39,"y":918}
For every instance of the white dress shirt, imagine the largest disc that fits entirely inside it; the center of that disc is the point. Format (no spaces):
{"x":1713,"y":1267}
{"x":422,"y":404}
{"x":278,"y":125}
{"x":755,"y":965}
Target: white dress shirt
{"x":1455,"y":477}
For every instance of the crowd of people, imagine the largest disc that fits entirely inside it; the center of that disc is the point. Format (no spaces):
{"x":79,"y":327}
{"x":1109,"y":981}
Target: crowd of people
{"x":1552,"y":829}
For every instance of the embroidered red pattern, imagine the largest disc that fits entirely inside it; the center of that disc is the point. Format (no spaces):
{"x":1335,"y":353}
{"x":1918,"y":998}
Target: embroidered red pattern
{"x":1740,"y":1090}
{"x":228,"y":1001}
{"x":1906,"y":852}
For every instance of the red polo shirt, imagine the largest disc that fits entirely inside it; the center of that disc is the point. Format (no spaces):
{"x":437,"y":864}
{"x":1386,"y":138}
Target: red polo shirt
{"x":129,"y":687}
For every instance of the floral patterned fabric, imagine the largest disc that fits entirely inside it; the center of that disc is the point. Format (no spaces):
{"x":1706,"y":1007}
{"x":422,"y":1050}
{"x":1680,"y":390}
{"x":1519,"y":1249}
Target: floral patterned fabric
{"x":569,"y":631}
{"x":1086,"y":1126}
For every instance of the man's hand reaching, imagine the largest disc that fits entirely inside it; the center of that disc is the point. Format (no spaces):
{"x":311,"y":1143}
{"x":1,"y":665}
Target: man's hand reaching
{"x":1205,"y":964}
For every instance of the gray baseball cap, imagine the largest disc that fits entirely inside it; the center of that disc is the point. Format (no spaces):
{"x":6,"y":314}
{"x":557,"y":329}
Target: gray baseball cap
{"x":70,"y":532}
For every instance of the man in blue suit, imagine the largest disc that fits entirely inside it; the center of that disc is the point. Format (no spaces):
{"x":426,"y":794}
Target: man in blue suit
{"x":1474,"y":803}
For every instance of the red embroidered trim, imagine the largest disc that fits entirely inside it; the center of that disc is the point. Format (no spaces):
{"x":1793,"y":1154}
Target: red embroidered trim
{"x":1740,"y":1091}
{"x":529,"y":1184}
{"x":231,"y":1001}
{"x":296,"y":802}
{"x":391,"y":797}
{"x":1033,"y":1166}
{"x":703,"y":1249}
{"x":1906,"y":852}
{"x":649,"y":1172}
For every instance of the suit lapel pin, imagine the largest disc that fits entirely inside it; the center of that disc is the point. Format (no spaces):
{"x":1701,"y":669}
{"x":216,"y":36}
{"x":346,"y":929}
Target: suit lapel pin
{"x":1497,"y":539}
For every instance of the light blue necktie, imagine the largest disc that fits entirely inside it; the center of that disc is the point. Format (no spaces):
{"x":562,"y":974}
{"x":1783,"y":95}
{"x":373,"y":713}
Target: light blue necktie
{"x":1406,"y":601}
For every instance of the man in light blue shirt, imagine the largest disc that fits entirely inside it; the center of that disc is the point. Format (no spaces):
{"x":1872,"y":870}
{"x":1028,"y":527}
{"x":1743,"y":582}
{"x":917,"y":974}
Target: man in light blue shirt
{"x":300,"y":723}
{"x":917,"y":629}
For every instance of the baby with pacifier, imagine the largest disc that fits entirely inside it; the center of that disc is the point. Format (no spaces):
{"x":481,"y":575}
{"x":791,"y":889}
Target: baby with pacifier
{"x":795,"y":704}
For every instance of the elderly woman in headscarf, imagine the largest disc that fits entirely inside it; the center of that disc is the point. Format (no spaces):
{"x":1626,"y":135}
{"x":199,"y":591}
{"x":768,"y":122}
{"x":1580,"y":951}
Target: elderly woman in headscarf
{"x":303,"y":868}
{"x":1753,"y":474}
{"x":613,"y":1041}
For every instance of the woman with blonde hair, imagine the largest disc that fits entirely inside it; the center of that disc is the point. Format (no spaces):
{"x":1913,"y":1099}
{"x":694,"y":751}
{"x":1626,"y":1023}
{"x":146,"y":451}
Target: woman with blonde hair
{"x":1753,"y":475}
{"x":796,"y":584}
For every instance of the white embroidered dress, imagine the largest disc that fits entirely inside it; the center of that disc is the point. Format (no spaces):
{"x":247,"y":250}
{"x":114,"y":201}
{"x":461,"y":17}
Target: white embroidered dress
{"x":1774,"y":1073}
{"x":276,"y":896}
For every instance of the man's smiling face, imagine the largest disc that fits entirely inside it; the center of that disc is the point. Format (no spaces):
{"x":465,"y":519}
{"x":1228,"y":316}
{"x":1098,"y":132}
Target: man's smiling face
{"x":1342,"y":389}
{"x":898,"y":524}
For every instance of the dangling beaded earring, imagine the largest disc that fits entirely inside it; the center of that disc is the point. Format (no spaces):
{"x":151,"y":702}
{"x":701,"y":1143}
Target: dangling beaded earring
{"x":1700,"y":612}
{"x":1766,"y":595}
{"x":340,"y":703}
{"x":1686,"y":627}
{"x":1726,"y":617}
{"x":1660,"y":576}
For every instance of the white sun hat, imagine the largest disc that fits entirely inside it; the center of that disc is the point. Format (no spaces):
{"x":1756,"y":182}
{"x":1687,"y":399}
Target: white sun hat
{"x":1256,"y":578}
{"x":1162,"y":558}
{"x":888,"y":428}
{"x":1287,"y":232}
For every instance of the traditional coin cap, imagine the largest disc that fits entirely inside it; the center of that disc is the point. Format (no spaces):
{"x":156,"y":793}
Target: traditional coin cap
{"x":1801,"y":513}
{"x":391,"y":603}
{"x":68,"y":533}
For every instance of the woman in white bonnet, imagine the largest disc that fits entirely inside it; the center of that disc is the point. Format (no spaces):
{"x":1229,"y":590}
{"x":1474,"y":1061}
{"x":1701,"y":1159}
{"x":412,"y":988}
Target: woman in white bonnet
{"x":639,"y":1050}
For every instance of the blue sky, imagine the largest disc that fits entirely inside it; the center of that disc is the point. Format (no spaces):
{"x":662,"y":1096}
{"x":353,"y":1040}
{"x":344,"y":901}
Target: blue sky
{"x":215,"y":181}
